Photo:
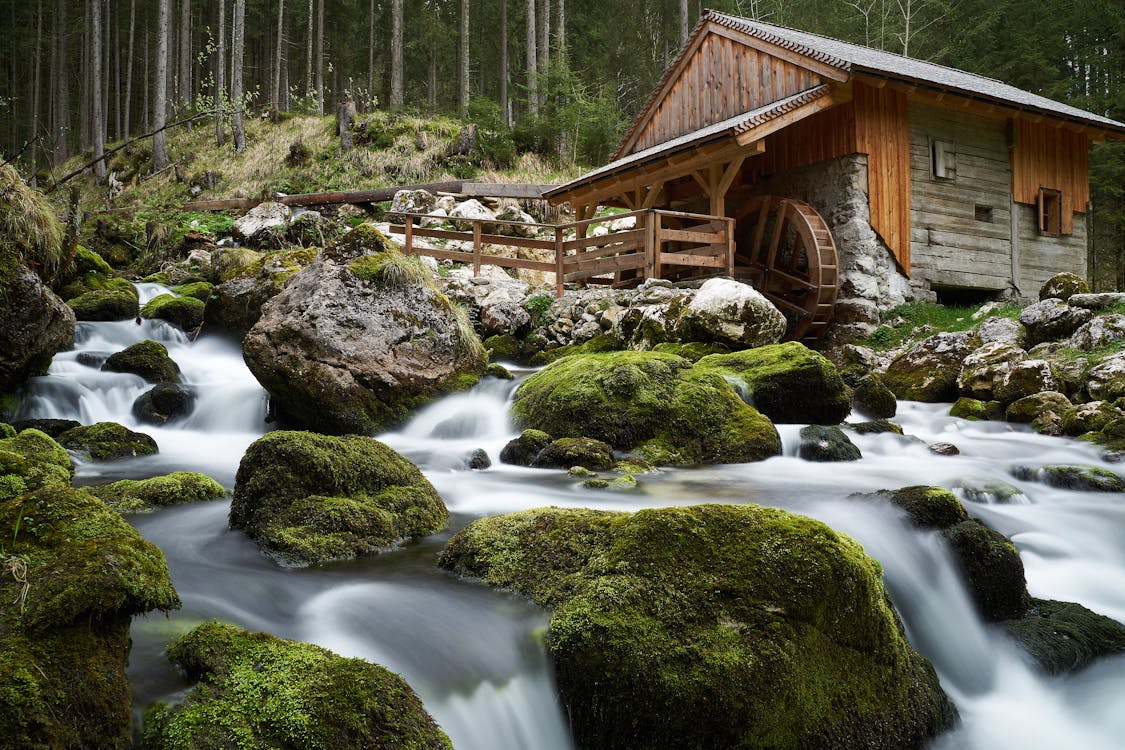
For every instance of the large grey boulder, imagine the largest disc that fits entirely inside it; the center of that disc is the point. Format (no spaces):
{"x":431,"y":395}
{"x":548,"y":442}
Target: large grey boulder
{"x":236,"y":304}
{"x":34,"y":324}
{"x":465,"y":212}
{"x":262,"y":219}
{"x":1001,"y":329}
{"x":1101,"y":331}
{"x":728,"y":311}
{"x":413,"y":202}
{"x":929,"y":370}
{"x":1026,"y":378}
{"x":986,"y":368}
{"x":359,"y":338}
{"x":1106,"y":381}
{"x":1052,"y":320}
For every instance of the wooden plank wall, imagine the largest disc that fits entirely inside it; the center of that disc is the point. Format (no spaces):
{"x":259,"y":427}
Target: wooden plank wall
{"x":1051,"y":157}
{"x":721,"y":79}
{"x":882,"y":131}
{"x":949,"y":245}
{"x":1041,"y":256}
{"x":825,"y":135}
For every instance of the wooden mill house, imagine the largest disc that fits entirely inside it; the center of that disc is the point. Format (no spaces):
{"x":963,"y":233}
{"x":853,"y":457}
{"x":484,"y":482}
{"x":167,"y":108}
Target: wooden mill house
{"x":857,"y":179}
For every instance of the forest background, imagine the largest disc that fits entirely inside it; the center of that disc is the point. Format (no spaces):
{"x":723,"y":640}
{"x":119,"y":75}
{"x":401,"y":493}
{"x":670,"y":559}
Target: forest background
{"x":561,"y":78}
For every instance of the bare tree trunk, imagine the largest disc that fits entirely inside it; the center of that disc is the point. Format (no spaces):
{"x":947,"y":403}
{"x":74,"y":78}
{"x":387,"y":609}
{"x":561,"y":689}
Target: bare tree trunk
{"x":84,"y":133}
{"x":96,"y":95}
{"x":684,"y":26}
{"x":62,"y":89}
{"x":309,"y":50}
{"x":560,"y":30}
{"x":128,"y":104}
{"x":371,"y":50}
{"x":396,"y":53}
{"x":320,"y":57}
{"x":238,"y":50}
{"x":117,"y":78}
{"x":146,"y":86}
{"x":275,"y":98}
{"x":35,"y":83}
{"x":532,"y":63}
{"x":103,"y":71}
{"x":160,"y":87}
{"x":183,"y":87}
{"x":543,"y":45}
{"x":463,"y":57}
{"x":431,"y":77}
{"x":505,"y":113}
{"x":221,"y":75}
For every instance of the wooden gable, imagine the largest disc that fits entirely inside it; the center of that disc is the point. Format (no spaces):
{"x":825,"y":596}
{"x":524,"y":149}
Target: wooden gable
{"x":720,"y":74}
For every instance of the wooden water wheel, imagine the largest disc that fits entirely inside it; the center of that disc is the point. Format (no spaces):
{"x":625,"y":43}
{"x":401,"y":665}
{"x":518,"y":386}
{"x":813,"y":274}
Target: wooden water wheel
{"x":786,"y":250}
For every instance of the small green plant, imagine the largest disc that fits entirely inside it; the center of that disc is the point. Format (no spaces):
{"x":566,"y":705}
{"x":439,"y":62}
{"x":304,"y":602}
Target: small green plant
{"x":538,"y":307}
{"x":391,"y":270}
{"x":468,"y":343}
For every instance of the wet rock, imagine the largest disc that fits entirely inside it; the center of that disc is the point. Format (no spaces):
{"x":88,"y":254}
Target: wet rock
{"x":944,"y":449}
{"x":1026,"y":378}
{"x":308,"y":498}
{"x":877,"y":427}
{"x":478,"y":460}
{"x":1052,"y":320}
{"x":164,"y":403}
{"x":1106,"y":381}
{"x":522,"y":450}
{"x":826,"y":443}
{"x":142,"y":495}
{"x":34,"y":323}
{"x":184,"y":312}
{"x":315,"y":698}
{"x":871,"y":397}
{"x":50,"y":427}
{"x":1064,"y":637}
{"x":567,"y":452}
{"x":1089,"y":417}
{"x":787,"y":382}
{"x":107,"y":441}
{"x":985,"y":369}
{"x":1080,"y":478}
{"x":729,"y":312}
{"x":1026,"y":409}
{"x":973,"y":409}
{"x":149,"y":359}
{"x":104,"y":305}
{"x":929,"y":370}
{"x":200,"y":290}
{"x":990,"y":492}
{"x":756,"y":609}
{"x":1048,"y":423}
{"x":1063,"y":286}
{"x":236,"y":304}
{"x":498,"y":371}
{"x":31,"y":460}
{"x":359,"y":338}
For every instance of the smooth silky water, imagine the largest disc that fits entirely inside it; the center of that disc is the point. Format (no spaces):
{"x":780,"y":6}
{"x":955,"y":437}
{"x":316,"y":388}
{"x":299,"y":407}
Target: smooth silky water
{"x":476,"y":656}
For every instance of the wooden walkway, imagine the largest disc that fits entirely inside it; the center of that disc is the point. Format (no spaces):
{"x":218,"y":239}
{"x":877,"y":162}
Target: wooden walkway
{"x":663,"y":244}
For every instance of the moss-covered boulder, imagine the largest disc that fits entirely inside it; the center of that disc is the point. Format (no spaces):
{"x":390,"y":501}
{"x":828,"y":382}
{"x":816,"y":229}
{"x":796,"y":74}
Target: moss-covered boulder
{"x":30,"y":460}
{"x":989,"y":562}
{"x":136,"y":495}
{"x":249,"y":280}
{"x":200,"y":290}
{"x":52,"y":427}
{"x":1106,"y":380}
{"x":107,"y":441}
{"x":34,"y":323}
{"x":874,"y":427}
{"x":985,"y":369}
{"x":789,"y":382}
{"x":826,"y":443}
{"x":1052,"y":320}
{"x":567,"y":452}
{"x":184,"y":312}
{"x":928,"y":371}
{"x":90,"y":273}
{"x":1027,"y":378}
{"x":656,"y":404}
{"x":711,"y":627}
{"x":360,"y":338}
{"x":255,"y":691}
{"x":1080,"y":478}
{"x":1026,"y":409}
{"x":149,"y":359}
{"x":1064,"y":637}
{"x":1063,"y":286}
{"x":871,"y":396}
{"x":74,"y":574}
{"x":971,"y":408}
{"x":522,"y":449}
{"x":308,"y":498}
{"x":105,"y":305}
{"x":165,"y":402}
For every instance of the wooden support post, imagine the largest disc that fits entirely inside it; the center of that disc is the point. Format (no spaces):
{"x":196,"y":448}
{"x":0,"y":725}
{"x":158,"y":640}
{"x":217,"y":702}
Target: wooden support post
{"x":581,"y":213}
{"x":408,"y":228}
{"x":730,"y":247}
{"x":654,"y":234}
{"x":650,"y":244}
{"x":476,"y":247}
{"x":560,"y":265}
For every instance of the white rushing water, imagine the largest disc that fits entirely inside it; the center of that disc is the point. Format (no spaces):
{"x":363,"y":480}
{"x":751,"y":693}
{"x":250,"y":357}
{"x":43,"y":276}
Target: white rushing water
{"x":476,"y":657}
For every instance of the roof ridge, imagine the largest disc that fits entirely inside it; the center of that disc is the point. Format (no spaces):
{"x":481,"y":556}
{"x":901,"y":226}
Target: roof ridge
{"x":751,"y":27}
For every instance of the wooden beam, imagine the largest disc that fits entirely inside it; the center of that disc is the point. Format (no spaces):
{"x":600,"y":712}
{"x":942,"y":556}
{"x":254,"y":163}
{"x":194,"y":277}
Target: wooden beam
{"x":653,"y":194}
{"x":774,"y":50}
{"x":827,"y":101}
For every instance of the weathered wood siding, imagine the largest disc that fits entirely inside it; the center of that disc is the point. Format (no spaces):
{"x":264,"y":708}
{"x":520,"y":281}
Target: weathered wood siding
{"x":949,"y":245}
{"x":720,"y":79}
{"x":1038,"y":257}
{"x":1051,"y":157}
{"x":883,"y":133}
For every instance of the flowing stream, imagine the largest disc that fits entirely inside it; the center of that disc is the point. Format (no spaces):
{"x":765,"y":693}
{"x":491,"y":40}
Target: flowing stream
{"x":476,"y":656}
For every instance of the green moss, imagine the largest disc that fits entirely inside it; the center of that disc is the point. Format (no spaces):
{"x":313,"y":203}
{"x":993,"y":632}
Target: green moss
{"x":927,"y":507}
{"x":1064,"y":637}
{"x":149,"y":359}
{"x":693,"y":350}
{"x":185,"y":312}
{"x":603,"y":342}
{"x":104,"y":305}
{"x":363,"y":240}
{"x":523,"y":449}
{"x":653,"y":402}
{"x":64,"y":639}
{"x":1026,"y":409}
{"x":969,"y":408}
{"x":131,"y":495}
{"x":498,"y":371}
{"x":1080,"y":478}
{"x":200,"y":290}
{"x":390,"y":270}
{"x":33,"y":460}
{"x":567,"y":452}
{"x":787,"y":382}
{"x":502,"y":346}
{"x":310,"y":498}
{"x":257,"y":691}
{"x":107,"y":441}
{"x":711,"y":626}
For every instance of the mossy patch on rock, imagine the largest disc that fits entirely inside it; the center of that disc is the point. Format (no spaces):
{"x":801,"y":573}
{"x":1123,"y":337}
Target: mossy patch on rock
{"x":309,"y":498}
{"x":257,"y":692}
{"x":656,"y":404}
{"x":1064,"y":637}
{"x":826,"y":443}
{"x":523,"y":449}
{"x":789,"y":382}
{"x":107,"y":441}
{"x":711,"y":626}
{"x":64,"y":636}
{"x":1080,"y":478}
{"x":567,"y":452}
{"x":1026,"y":409}
{"x":31,"y":460}
{"x":200,"y":290}
{"x":149,"y":359}
{"x":185,"y":312}
{"x":104,"y":305}
{"x":929,"y":370}
{"x":136,"y":495}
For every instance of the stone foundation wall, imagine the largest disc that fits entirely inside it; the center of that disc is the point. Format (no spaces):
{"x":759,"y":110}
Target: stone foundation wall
{"x":869,"y":277}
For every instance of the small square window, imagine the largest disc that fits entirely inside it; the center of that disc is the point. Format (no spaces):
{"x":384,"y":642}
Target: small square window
{"x":1050,"y":211}
{"x":983,"y":213}
{"x":943,"y":160}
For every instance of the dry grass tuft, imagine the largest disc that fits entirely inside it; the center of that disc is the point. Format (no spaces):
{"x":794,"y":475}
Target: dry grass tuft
{"x":28,"y":223}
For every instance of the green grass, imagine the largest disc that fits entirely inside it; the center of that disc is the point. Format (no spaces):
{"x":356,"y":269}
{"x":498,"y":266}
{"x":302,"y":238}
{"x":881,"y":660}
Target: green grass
{"x":922,"y":319}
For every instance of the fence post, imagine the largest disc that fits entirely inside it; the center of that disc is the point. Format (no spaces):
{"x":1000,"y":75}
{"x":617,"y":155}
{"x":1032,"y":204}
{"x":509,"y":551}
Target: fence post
{"x":650,"y":244}
{"x":476,"y":247}
{"x":560,"y":268}
{"x":409,"y":229}
{"x":730,"y":247}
